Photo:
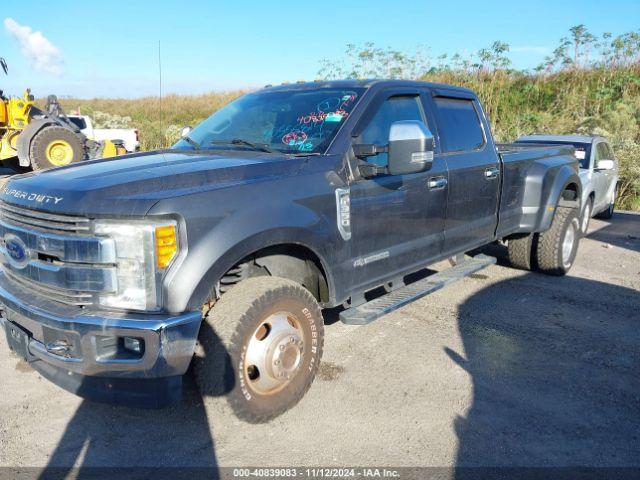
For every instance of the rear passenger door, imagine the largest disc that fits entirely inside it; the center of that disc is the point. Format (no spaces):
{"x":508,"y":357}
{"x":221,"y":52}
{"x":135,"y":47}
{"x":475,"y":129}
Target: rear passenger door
{"x":474,"y":172}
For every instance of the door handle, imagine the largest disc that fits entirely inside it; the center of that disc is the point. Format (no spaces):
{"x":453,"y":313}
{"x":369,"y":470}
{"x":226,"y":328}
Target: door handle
{"x":491,"y":173}
{"x":436,"y":183}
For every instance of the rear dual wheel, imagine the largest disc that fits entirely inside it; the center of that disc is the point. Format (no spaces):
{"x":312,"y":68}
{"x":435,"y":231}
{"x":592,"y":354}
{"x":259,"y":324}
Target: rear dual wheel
{"x":558,"y":246}
{"x":519,"y":249}
{"x":260,"y":345}
{"x":553,"y":251}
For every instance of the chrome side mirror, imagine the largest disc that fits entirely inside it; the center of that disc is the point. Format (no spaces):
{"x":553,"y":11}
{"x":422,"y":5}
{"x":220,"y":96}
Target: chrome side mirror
{"x":411,"y":147}
{"x":186,"y":130}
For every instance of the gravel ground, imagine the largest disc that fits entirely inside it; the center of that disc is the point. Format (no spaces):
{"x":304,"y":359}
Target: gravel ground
{"x":504,"y":368}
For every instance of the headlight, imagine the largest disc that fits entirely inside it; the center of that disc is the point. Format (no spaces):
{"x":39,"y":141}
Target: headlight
{"x":144,"y":251}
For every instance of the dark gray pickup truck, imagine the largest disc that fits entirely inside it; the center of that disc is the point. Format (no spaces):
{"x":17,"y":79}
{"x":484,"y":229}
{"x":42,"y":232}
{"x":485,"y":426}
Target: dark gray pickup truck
{"x":223,"y":250}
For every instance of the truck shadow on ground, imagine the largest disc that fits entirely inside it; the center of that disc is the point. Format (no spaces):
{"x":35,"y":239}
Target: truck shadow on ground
{"x":105,"y":441}
{"x":555,"y":374}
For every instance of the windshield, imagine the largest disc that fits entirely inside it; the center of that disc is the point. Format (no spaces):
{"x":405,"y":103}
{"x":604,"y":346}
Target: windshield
{"x":294,"y":121}
{"x":582,"y":149}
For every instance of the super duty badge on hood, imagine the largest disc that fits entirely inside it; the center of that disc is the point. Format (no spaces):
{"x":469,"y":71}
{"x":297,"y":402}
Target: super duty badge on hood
{"x":31,"y":196}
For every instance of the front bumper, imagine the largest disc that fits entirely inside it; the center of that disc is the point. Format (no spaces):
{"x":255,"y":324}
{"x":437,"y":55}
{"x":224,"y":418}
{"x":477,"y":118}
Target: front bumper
{"x":169,"y":343}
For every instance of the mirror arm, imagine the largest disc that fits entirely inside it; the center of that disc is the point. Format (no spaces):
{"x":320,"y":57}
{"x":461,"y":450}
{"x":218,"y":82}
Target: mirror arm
{"x":364,"y":150}
{"x":371,"y":170}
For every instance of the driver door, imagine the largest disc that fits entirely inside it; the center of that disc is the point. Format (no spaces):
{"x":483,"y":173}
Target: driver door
{"x":397,"y":221}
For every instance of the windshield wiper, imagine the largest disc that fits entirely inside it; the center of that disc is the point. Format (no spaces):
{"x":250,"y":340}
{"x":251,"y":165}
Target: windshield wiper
{"x":246,"y":143}
{"x":192,"y":142}
{"x":301,"y":154}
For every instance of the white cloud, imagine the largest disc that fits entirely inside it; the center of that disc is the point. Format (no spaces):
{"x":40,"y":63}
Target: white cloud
{"x":38,"y":50}
{"x":530,"y":49}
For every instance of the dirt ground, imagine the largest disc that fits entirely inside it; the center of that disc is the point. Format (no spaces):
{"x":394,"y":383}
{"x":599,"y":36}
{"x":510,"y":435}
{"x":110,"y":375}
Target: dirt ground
{"x":504,"y":368}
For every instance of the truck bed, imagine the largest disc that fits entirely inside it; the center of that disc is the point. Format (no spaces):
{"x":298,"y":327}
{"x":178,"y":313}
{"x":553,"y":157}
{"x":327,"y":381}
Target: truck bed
{"x":548,"y":149}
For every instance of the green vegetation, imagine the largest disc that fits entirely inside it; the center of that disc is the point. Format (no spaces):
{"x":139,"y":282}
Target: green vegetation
{"x":586,"y":85}
{"x":602,"y":101}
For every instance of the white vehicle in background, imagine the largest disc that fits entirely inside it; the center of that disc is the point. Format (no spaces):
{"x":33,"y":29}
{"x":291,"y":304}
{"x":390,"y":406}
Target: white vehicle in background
{"x":130,"y":137}
{"x":598,"y":172}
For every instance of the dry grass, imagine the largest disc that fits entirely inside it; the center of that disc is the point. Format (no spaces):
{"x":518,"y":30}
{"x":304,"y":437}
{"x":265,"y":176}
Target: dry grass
{"x":601,"y":101}
{"x":177,"y":111}
{"x":594,"y":100}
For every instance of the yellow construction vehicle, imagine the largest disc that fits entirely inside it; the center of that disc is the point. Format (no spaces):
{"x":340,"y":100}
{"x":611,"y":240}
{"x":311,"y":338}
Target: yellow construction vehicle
{"x":31,"y":138}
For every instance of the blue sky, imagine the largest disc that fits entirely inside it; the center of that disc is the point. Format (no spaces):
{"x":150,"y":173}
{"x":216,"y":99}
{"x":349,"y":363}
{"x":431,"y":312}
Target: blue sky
{"x":109,"y":48}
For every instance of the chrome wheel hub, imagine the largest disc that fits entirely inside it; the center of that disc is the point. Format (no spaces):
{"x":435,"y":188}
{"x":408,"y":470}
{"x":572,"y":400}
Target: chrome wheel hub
{"x":567,"y":244}
{"x":274,"y":353}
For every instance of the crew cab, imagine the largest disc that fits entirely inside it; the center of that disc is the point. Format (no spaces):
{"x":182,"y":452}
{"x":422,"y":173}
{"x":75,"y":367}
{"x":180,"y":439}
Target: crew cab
{"x":598,"y":172}
{"x":224,"y":249}
{"x":130,"y":137}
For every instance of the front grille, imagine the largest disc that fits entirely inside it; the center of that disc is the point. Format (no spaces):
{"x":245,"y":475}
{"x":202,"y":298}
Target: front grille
{"x":66,"y":262}
{"x":68,"y":297}
{"x":47,"y":222}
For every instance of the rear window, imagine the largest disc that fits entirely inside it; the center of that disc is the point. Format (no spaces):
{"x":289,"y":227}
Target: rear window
{"x":78,"y":122}
{"x":459,"y":126}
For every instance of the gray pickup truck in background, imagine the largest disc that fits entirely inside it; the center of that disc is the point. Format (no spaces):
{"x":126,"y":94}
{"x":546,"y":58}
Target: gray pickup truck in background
{"x":224,"y":249}
{"x":598,"y":172}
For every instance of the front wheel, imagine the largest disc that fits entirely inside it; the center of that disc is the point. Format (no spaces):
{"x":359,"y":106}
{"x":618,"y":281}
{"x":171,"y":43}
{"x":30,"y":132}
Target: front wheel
{"x":558,"y":246}
{"x":261,"y":344}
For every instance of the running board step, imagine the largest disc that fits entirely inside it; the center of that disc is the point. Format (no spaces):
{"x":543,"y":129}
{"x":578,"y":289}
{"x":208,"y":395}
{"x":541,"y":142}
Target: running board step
{"x":370,"y":311}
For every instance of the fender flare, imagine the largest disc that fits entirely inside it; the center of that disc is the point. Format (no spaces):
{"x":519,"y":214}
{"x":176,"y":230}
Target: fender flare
{"x":211,"y":254}
{"x":201,"y":291}
{"x":554,"y":198}
{"x":24,"y":140}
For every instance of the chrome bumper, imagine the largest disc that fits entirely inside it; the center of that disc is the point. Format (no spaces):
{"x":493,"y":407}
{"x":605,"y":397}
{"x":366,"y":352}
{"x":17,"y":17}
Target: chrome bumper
{"x":169,"y":340}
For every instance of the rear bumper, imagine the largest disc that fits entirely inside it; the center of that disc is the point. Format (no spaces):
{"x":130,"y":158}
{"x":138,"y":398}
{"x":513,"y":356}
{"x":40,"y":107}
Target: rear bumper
{"x":169,"y":343}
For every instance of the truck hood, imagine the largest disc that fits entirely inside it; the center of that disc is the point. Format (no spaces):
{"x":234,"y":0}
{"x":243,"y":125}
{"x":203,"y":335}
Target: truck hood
{"x":132,"y":184}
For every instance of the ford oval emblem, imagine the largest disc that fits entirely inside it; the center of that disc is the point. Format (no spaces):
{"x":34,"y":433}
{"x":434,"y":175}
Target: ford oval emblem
{"x":17,"y":252}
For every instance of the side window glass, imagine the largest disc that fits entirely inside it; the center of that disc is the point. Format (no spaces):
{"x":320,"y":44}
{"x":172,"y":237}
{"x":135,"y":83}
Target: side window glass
{"x":458,"y":125}
{"x":392,"y":110}
{"x":600,"y":152}
{"x":609,"y":151}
